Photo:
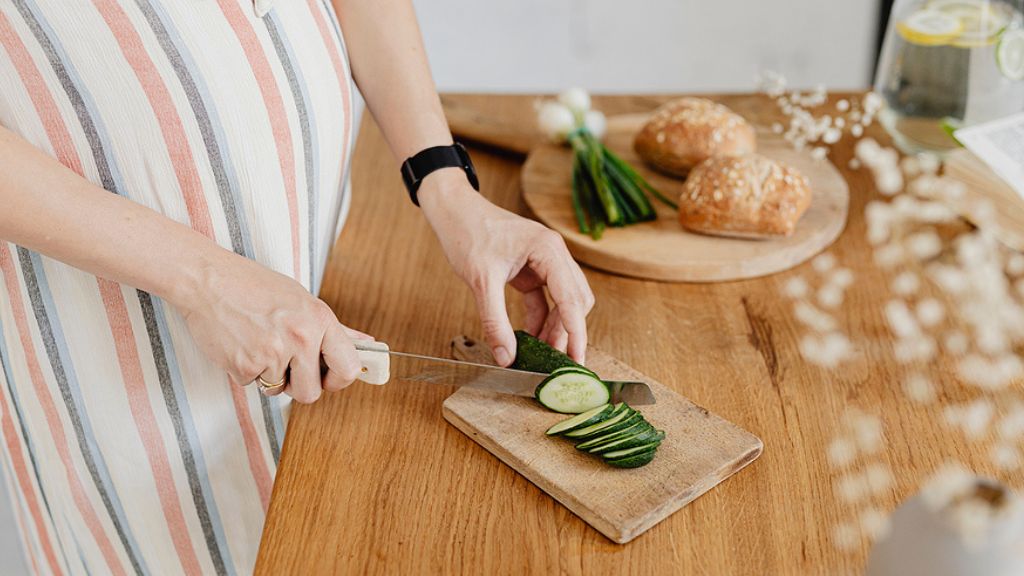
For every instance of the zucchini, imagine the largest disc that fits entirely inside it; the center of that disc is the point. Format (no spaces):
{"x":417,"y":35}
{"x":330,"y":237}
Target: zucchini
{"x":618,"y":433}
{"x":572,"y":392}
{"x":579,"y":369}
{"x":641,"y":438}
{"x":629,"y":421}
{"x":587,"y":418}
{"x":622,"y":413}
{"x":535,"y":355}
{"x":618,"y":454}
{"x":633,"y":461}
{"x":602,"y":439}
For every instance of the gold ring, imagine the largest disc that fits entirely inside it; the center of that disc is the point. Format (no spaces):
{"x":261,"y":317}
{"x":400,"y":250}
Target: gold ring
{"x":264,"y":385}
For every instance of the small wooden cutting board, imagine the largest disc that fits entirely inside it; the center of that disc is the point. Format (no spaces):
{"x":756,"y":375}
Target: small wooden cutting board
{"x":700,"y":450}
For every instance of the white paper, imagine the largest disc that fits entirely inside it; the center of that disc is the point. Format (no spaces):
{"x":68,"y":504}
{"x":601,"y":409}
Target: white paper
{"x":1000,"y":144}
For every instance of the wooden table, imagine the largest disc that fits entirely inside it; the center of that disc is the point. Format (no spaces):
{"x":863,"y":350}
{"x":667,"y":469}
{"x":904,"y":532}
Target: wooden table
{"x":373,"y":480}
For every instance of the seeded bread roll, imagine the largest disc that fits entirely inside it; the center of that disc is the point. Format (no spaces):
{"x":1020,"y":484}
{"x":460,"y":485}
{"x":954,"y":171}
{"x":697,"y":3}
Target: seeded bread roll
{"x":685,"y":132}
{"x":746,"y":196}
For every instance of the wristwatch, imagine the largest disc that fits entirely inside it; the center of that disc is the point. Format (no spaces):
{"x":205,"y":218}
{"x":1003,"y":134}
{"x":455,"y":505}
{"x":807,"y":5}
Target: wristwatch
{"x":418,"y":167}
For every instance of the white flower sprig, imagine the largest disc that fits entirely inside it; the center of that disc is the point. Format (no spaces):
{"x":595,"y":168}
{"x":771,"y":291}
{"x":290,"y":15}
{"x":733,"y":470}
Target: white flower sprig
{"x":956,"y":292}
{"x":818,"y":132}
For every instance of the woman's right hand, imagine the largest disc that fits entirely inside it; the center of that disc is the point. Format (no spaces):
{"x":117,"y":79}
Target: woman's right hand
{"x":254,"y":322}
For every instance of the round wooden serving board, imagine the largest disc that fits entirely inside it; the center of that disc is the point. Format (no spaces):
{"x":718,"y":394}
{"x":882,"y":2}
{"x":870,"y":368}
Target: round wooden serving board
{"x":662,"y":249}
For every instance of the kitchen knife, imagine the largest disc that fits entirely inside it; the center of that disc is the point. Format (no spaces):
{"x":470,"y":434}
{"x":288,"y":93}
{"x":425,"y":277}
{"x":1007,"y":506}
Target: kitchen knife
{"x":380,"y":364}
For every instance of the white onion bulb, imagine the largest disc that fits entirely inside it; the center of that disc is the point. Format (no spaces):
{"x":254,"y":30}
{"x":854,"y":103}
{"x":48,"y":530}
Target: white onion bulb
{"x":595,"y":123}
{"x":576,"y":99}
{"x":555,"y":120}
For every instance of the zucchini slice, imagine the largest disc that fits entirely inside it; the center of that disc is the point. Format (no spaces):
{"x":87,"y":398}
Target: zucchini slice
{"x":629,"y":421}
{"x":587,"y":418}
{"x":535,"y":355}
{"x":603,"y":439}
{"x":619,"y":454}
{"x":581,"y":369}
{"x":641,"y":438}
{"x":572,"y":392}
{"x":633,"y":461}
{"x":622,"y":412}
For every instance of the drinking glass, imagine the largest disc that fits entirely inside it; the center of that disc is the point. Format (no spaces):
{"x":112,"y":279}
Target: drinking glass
{"x":947,"y":64}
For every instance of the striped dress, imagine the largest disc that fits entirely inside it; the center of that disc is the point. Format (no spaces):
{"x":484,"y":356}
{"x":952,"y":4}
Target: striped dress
{"x":126,"y":450}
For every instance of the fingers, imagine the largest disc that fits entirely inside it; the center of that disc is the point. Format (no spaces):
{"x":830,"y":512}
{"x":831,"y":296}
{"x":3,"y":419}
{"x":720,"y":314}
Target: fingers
{"x":355,"y":334}
{"x":340,"y":357}
{"x":536,"y":303}
{"x":553,"y":332}
{"x":571,"y":294}
{"x":490,"y":301}
{"x":304,"y":377}
{"x":271,"y":377}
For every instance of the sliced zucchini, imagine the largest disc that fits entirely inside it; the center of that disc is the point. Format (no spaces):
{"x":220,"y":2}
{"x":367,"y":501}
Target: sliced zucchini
{"x":633,"y":418}
{"x":621,"y":413}
{"x":642,"y":437}
{"x":618,"y":454}
{"x":535,"y":355}
{"x":603,"y":439}
{"x":572,"y":392}
{"x":633,"y":461}
{"x":582,"y":369}
{"x":592,"y":416}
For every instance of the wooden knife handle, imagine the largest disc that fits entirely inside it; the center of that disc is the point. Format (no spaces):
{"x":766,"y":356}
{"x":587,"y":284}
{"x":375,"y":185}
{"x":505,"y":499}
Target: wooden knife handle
{"x":375,"y":360}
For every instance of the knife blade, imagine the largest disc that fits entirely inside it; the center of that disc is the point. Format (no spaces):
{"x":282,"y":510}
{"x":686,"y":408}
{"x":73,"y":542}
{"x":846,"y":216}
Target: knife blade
{"x":381,"y":364}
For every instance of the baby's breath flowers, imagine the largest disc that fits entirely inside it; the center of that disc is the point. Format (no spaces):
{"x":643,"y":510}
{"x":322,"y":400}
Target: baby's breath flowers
{"x":956,"y":294}
{"x":606,"y":191}
{"x":862,"y":478}
{"x":817,"y":132}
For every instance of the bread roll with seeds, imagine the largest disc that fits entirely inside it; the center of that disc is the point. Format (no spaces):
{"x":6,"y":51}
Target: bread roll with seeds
{"x":747,"y":196}
{"x":688,"y":131}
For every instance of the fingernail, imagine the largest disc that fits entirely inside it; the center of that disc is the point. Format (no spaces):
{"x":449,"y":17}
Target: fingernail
{"x":502,"y":356}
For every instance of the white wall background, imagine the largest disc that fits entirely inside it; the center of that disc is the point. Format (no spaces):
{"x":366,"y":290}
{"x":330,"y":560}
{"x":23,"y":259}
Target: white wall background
{"x":647,"y":45}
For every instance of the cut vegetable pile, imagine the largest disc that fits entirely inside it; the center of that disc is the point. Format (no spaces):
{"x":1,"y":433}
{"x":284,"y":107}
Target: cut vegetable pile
{"x":617,"y":433}
{"x":607,"y":191}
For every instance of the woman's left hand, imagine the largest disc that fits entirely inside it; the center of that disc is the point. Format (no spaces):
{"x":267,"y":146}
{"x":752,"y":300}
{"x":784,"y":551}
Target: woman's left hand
{"x":489,"y":247}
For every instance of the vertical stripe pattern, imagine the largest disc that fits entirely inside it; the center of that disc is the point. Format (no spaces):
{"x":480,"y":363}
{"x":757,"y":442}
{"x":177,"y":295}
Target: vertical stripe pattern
{"x":128,"y":451}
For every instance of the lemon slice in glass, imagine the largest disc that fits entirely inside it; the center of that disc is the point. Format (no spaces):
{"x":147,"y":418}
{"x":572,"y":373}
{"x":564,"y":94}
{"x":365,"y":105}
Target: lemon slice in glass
{"x":982,"y":20}
{"x":1010,"y":54}
{"x":930,"y":28}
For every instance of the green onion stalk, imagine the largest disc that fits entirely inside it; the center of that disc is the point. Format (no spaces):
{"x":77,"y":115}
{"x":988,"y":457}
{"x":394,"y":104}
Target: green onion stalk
{"x":607,"y":191}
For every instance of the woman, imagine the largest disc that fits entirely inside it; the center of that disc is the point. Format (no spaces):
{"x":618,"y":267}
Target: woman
{"x":171,"y":178}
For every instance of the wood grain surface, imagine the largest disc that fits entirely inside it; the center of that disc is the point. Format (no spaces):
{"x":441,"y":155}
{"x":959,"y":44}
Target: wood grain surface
{"x":700,"y":450}
{"x":372,"y":480}
{"x":983,"y":187}
{"x":662,"y":249}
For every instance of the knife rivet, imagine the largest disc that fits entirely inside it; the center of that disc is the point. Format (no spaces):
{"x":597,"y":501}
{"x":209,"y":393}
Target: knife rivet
{"x":363,"y":369}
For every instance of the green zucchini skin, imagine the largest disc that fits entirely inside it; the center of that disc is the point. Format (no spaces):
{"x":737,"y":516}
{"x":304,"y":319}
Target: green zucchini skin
{"x":603,"y":439}
{"x":641,"y":438}
{"x":535,"y":355}
{"x":622,"y":413}
{"x":626,"y":422}
{"x":634,"y":461}
{"x":601,"y":416}
{"x":626,"y":452}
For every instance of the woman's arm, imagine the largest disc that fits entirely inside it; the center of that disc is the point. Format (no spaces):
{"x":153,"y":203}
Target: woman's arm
{"x":488,"y":247}
{"x":246,"y":318}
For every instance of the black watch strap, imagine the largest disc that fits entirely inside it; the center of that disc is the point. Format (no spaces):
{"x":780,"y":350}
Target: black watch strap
{"x":418,"y":167}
